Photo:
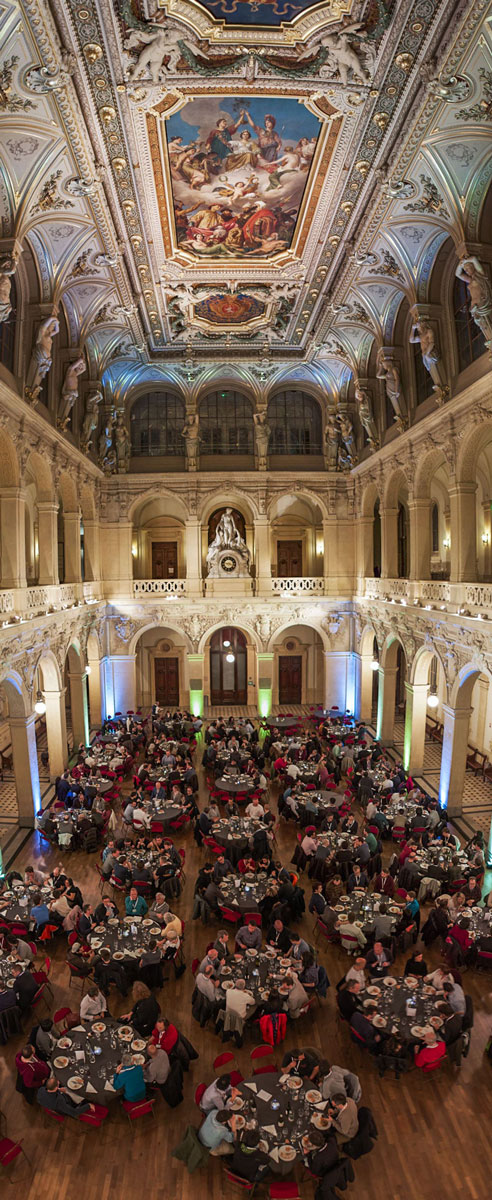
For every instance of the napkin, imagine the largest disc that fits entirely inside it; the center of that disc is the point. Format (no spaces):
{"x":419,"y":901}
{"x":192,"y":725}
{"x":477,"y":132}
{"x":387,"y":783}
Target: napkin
{"x":283,"y":1078}
{"x":270,"y":1129}
{"x":264,"y":1095}
{"x":90,"y":1088}
{"x":274,"y":1154}
{"x":322,"y":1104}
{"x":75,"y":1096}
{"x":108,"y":1087}
{"x":78,"y":1029}
{"x":79,"y":1054}
{"x":252,"y":1087}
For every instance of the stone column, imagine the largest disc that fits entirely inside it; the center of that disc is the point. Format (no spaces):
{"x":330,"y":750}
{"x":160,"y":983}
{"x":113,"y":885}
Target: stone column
{"x":415,"y":719}
{"x":56,"y":730}
{"x":192,"y":554}
{"x":265,"y":661}
{"x":92,"y":561}
{"x":263,"y":556}
{"x":453,"y":760}
{"x":389,"y":543}
{"x":420,"y":543}
{"x":48,"y":541}
{"x":463,"y":532}
{"x":337,"y":679}
{"x":330,"y":550}
{"x":71,"y":528}
{"x":366,"y":676}
{"x":121,"y":670}
{"x":13,"y":537}
{"x":365,"y":547}
{"x":26,"y":774}
{"x":78,"y":707}
{"x":386,"y":704}
{"x":95,"y":693}
{"x":195,"y":676}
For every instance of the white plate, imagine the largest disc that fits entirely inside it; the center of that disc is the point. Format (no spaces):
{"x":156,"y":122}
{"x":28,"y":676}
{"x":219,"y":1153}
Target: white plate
{"x":99,"y":1027}
{"x":236,"y":1104}
{"x":287,"y":1153}
{"x":138,"y":1044}
{"x":64,"y":1043}
{"x":251,"y":952}
{"x":379,"y":1022}
{"x":138,"y":1059}
{"x":294,"y":1082}
{"x":313,"y":1097}
{"x":320,"y":1121}
{"x":389,"y":981}
{"x":118,"y":954}
{"x":75,"y":1083}
{"x":417,"y":1031}
{"x":60,"y":1062}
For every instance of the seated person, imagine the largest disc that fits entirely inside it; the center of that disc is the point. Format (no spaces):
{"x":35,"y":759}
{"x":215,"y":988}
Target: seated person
{"x":53,"y":1096}
{"x":378,"y":961}
{"x":320,"y":1151}
{"x":217,"y":1132}
{"x":431,"y":1052}
{"x":248,"y":1160}
{"x":135,"y":905}
{"x":129,"y":1077}
{"x":249,"y":936}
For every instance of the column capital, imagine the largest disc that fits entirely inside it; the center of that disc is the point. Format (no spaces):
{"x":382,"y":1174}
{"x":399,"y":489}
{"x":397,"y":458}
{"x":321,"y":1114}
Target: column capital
{"x":457,"y":714}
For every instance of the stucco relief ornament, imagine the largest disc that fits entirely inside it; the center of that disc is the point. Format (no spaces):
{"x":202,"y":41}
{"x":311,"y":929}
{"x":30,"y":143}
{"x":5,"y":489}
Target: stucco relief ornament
{"x":471,"y":271}
{"x":41,"y":358}
{"x":42,"y":79}
{"x":343,"y":55}
{"x":124,"y":629}
{"x":147,"y":51}
{"x":347,"y":456}
{"x":190,"y":433}
{"x":122,"y":444}
{"x":452,"y":665}
{"x":69,"y":392}
{"x":423,"y":334}
{"x":332,"y":441}
{"x":106,"y":454}
{"x":454,"y":89}
{"x":263,"y":627}
{"x":262,"y":438}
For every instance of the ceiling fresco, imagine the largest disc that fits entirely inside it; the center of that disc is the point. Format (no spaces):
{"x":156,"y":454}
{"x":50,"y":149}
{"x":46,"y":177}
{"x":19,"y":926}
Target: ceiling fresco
{"x":262,"y":185}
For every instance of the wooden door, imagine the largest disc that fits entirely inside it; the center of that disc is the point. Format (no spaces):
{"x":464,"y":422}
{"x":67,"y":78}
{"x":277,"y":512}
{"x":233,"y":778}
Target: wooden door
{"x":290,"y":679}
{"x":289,"y":559}
{"x":167,"y":681}
{"x":164,"y":560}
{"x":228,"y":679}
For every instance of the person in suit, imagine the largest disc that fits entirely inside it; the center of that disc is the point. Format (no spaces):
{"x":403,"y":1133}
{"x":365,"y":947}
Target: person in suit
{"x":348,"y":1000}
{"x":279,"y":937}
{"x":358,"y":879}
{"x":25,"y":987}
{"x":248,"y":1160}
{"x":51,"y":1095}
{"x":378,"y":961}
{"x":361,"y":1023}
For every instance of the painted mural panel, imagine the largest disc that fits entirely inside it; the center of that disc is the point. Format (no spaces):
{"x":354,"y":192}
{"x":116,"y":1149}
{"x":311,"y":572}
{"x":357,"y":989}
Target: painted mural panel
{"x":256,"y":12}
{"x":239,"y":169}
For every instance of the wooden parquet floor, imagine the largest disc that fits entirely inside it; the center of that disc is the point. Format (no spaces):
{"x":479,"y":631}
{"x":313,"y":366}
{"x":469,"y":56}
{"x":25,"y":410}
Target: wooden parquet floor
{"x":434,"y":1133}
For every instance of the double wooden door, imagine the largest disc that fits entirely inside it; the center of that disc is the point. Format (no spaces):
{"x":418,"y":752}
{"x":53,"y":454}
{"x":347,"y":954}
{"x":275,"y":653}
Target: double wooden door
{"x":290,"y":679}
{"x":164,"y":560}
{"x":167,"y":681}
{"x":289,"y":560}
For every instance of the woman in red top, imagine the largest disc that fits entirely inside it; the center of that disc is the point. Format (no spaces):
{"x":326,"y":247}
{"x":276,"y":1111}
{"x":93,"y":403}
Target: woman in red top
{"x":165,"y":1035}
{"x":32,"y":1072}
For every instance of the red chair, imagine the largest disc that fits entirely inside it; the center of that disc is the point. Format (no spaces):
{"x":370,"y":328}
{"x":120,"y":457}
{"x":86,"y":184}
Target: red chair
{"x":199,"y":1092}
{"x":227,"y":914}
{"x":47,"y":971}
{"x":182,"y":855}
{"x":9,"y":1151}
{"x":325,"y":933}
{"x":156,"y":827}
{"x":263,"y":1052}
{"x":40,"y":996}
{"x":76,"y":978}
{"x":238,"y":1181}
{"x":60,"y":1015}
{"x":252,"y":918}
{"x":223,"y":1060}
{"x":138,"y":1108}
{"x":54,"y":1116}
{"x":284,"y":1191}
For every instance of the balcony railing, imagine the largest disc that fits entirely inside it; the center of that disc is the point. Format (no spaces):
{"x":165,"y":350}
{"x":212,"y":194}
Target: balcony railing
{"x":461,"y":598}
{"x":34,"y":599}
{"x":160,"y":587}
{"x":300,"y":585}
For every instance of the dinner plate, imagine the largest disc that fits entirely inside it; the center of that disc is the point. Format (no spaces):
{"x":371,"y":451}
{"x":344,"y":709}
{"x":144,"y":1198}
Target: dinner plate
{"x":251,"y":952}
{"x":284,"y":989}
{"x":313,"y":1096}
{"x":139,"y":1044}
{"x":389,"y":981}
{"x":436,"y":1022}
{"x":236,"y":1104}
{"x":96,"y":943}
{"x":118,"y":954}
{"x":227,"y":984}
{"x":368,"y":1003}
{"x":359,"y":924}
{"x":270,"y":952}
{"x":240,"y":1121}
{"x":379,"y":1022}
{"x":286,"y":1153}
{"x":113,"y":921}
{"x":147,"y":921}
{"x":64,"y":1043}
{"x":138,"y":1059}
{"x":285,"y":962}
{"x":320,"y":1121}
{"x":294,"y":1082}
{"x":126,"y":1029}
{"x":225,"y":970}
{"x":155,"y":929}
{"x":338,"y":907}
{"x":427,"y":990}
{"x":99,"y":1027}
{"x":417,"y":1031}
{"x":99,"y":929}
{"x":75,"y":1083}
{"x":10,"y":982}
{"x":393,"y":908}
{"x":411,"y":982}
{"x":373,"y":990}
{"x":61,"y":1061}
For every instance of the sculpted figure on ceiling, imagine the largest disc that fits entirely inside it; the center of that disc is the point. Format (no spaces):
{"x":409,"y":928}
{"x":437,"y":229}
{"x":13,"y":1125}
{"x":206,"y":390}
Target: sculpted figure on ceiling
{"x":40,"y":358}
{"x":8,"y":264}
{"x":423,"y":333}
{"x":151,"y":49}
{"x":364,"y":408}
{"x":388,"y":370}
{"x":70,"y":391}
{"x":480,"y":293}
{"x":89,"y":425}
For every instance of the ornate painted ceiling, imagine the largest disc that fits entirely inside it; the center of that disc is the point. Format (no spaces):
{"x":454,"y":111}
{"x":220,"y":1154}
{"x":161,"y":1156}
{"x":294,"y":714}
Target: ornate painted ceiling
{"x":256,"y":182}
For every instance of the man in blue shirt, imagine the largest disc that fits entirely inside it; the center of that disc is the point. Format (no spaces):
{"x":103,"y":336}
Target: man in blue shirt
{"x":217,"y":1132}
{"x":135,"y":905}
{"x":130,"y":1077}
{"x":39,"y":913}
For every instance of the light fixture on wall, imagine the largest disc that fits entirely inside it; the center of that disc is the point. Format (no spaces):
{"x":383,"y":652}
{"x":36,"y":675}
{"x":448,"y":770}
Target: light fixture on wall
{"x":485,"y":537}
{"x":134,"y":551}
{"x":446,"y":543}
{"x":40,"y":706}
{"x":88,"y":669}
{"x":226,"y":642}
{"x":432,"y":700}
{"x":320,"y":546}
{"x":375,"y":665}
{"x":230,"y":658}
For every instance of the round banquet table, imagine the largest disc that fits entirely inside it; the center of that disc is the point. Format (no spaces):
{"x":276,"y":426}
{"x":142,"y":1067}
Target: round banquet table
{"x":279,"y":1106}
{"x":263,"y":971}
{"x":163,"y":811}
{"x":7,"y":962}
{"x":390,"y":996}
{"x":235,"y":784}
{"x":100,"y":1046}
{"x":223,"y":758}
{"x":480,"y":923}
{"x":365,"y":906}
{"x":20,"y":899}
{"x":126,"y":940}
{"x":307,"y":772}
{"x":245,"y":892}
{"x":325,"y":801}
{"x":282,"y":722}
{"x":435,"y":861}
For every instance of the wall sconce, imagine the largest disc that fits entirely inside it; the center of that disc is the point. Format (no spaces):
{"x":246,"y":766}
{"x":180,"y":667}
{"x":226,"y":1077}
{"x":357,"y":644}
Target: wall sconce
{"x":40,"y":706}
{"x":432,"y":700}
{"x":375,"y":665}
{"x":134,"y":552}
{"x":485,"y":538}
{"x":446,"y":543}
{"x":320,"y":546}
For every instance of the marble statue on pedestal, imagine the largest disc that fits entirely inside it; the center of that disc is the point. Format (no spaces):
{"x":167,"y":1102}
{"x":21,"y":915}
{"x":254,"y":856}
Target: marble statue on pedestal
{"x":228,"y":555}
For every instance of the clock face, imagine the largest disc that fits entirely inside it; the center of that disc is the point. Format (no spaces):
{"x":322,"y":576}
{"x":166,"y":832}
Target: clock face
{"x":228,"y":563}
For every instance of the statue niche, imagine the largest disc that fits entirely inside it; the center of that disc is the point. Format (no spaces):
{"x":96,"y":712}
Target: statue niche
{"x":228,"y":556}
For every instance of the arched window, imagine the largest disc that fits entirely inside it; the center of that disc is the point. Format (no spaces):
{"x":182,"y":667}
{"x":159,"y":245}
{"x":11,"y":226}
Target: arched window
{"x":295,"y":421}
{"x":435,"y":528}
{"x":423,"y":381}
{"x":7,"y":331}
{"x":156,"y":424}
{"x":226,"y":424}
{"x":469,"y":338}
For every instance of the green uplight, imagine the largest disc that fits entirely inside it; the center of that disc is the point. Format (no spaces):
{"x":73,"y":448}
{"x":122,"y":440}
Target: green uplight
{"x":196,"y":703}
{"x":264,"y":701}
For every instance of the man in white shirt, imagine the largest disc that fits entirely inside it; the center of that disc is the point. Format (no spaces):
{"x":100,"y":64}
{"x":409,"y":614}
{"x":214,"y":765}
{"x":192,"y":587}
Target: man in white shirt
{"x":309,"y":845}
{"x":357,"y":972}
{"x":297,"y":997}
{"x":238,"y":1000}
{"x":293,"y":770}
{"x":93,"y":1005}
{"x":347,"y":929}
{"x":141,"y":818}
{"x":254,"y":810}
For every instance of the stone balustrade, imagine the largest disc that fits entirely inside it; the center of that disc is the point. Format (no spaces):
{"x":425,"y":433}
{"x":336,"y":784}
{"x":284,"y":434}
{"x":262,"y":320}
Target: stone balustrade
{"x":300,"y":585}
{"x":159,"y":587}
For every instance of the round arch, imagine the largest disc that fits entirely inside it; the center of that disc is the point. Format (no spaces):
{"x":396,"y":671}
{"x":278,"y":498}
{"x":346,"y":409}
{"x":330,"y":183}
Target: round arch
{"x":247,"y":630}
{"x":419,"y":668}
{"x":15,"y":691}
{"x":228,"y":496}
{"x":427,"y":467}
{"x":473,"y":443}
{"x":133,"y":643}
{"x":288,"y":624}
{"x":369,"y":498}
{"x":175,"y":506}
{"x":24,"y":749}
{"x":301,"y":493}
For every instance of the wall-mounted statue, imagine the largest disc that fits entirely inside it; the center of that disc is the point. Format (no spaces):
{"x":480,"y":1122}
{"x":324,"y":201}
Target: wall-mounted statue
{"x":70,"y":391}
{"x":346,"y":452}
{"x":366,"y":418}
{"x":332,"y":441}
{"x":262,"y":438}
{"x":106,"y":454}
{"x":8,"y":264}
{"x":89,"y":425}
{"x":122,"y":443}
{"x":228,"y":555}
{"x":423,"y":333}
{"x":41,"y":358}
{"x":192,"y":440}
{"x":388,"y":370}
{"x":471,"y":271}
